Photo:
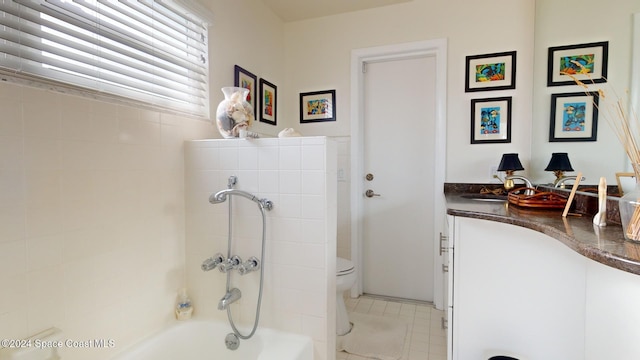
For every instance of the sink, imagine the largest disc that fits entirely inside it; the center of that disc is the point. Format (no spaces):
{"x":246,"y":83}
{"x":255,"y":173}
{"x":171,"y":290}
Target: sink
{"x":485,"y":197}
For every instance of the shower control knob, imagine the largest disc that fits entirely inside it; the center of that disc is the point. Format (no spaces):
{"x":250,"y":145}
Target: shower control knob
{"x":370,"y":193}
{"x":212,"y":262}
{"x":230,"y":264}
{"x":248,"y":266}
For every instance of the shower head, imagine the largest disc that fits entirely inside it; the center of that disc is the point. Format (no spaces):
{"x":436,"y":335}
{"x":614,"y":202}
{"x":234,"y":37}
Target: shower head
{"x":219,"y":197}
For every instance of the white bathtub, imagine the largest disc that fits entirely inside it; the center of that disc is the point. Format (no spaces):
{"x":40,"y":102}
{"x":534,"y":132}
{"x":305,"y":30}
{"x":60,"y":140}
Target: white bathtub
{"x":199,"y":339}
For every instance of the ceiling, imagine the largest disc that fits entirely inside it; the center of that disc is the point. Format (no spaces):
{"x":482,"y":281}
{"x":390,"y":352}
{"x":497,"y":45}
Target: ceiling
{"x":294,"y":10}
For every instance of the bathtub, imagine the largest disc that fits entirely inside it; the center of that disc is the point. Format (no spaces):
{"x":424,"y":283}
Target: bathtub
{"x":202,"y":339}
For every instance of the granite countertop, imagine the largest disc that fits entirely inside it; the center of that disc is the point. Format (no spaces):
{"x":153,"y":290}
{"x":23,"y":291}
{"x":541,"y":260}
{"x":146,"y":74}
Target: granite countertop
{"x":603,"y":244}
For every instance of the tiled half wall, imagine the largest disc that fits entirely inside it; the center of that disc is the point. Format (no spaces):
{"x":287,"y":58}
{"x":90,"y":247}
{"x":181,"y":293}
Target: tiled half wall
{"x":299,"y":176}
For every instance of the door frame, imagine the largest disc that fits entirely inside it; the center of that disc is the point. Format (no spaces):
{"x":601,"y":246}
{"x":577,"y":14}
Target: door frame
{"x":359,"y":57}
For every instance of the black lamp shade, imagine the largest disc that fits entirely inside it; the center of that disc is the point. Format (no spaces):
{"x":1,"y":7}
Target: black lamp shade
{"x":510,"y":162}
{"x":559,"y":162}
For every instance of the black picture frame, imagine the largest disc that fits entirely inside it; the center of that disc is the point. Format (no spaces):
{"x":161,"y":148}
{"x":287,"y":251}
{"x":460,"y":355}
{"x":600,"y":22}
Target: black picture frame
{"x":584,"y":62}
{"x":268,"y":96}
{"x":491,"y":120}
{"x":318,"y":106}
{"x":246,"y":79}
{"x":486,"y":72}
{"x":574,"y":117}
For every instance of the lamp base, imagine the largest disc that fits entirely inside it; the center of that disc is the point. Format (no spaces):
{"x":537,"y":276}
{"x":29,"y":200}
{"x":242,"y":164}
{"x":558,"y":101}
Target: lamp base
{"x":508,"y":184}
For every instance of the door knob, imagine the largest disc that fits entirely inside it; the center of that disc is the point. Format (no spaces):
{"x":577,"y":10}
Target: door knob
{"x":370,"y":193}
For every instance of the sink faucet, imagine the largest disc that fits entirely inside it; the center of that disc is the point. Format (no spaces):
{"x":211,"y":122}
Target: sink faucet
{"x":527,"y":182}
{"x":229,"y":298}
{"x":560,"y":183}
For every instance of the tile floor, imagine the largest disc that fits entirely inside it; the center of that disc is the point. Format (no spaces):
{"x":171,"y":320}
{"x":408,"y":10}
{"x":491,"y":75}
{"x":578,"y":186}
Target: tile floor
{"x":426,"y":340}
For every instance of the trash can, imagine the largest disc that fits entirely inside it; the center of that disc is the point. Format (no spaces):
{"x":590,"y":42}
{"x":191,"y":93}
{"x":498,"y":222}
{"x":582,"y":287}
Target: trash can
{"x":502,"y":354}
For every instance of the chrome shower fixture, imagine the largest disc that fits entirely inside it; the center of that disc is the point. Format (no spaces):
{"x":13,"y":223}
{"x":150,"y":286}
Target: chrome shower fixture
{"x":221,"y":196}
{"x":234,"y":262}
{"x":212,"y":262}
{"x":248,"y":266}
{"x":230,"y":264}
{"x":233,"y":180}
{"x":229,"y":298}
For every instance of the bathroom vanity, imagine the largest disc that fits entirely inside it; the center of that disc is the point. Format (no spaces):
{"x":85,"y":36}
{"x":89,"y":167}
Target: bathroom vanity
{"x":538,"y":286}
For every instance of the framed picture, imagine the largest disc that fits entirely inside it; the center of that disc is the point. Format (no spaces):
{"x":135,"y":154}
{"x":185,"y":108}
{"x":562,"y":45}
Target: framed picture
{"x":491,"y":120}
{"x":574,"y":117}
{"x":245,"y":79}
{"x":318,"y":106}
{"x":585,"y":62}
{"x":491,"y":72}
{"x":268,"y":102}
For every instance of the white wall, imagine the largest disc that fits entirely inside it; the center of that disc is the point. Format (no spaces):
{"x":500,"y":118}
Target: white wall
{"x":318,"y":58}
{"x":248,"y":34}
{"x":299,"y":176}
{"x":318,"y":55}
{"x":606,"y":156}
{"x":92,"y":223}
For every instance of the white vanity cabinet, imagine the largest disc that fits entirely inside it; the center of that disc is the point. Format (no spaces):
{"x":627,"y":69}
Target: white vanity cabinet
{"x":515,"y":291}
{"x":612,"y":313}
{"x":519,"y":292}
{"x":449,"y":253}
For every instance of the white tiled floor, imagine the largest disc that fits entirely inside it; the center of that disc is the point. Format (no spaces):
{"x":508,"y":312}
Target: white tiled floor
{"x":426,"y":340}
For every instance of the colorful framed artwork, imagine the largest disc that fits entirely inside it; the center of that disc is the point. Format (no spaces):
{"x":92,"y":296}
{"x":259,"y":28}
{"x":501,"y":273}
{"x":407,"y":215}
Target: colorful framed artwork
{"x":245,"y":79}
{"x":318,"y":106}
{"x":584,"y":62}
{"x":268,"y":102}
{"x":574,"y":117}
{"x":491,"y":72}
{"x":491,"y":120}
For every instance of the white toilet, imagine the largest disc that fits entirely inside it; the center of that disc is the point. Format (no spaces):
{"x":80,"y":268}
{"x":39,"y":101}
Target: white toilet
{"x":345,"y":278}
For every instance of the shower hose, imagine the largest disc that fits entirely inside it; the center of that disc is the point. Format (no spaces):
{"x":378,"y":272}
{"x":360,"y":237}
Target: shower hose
{"x":259,"y":302}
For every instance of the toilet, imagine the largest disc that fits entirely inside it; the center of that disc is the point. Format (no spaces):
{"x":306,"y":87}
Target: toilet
{"x":345,"y":279}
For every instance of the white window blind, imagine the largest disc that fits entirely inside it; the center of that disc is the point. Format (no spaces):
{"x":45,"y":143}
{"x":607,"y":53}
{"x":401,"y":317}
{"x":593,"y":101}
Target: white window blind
{"x":150,"y":51}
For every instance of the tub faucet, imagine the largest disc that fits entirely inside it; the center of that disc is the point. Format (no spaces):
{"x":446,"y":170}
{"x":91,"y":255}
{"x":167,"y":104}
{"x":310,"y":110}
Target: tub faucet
{"x":229,"y":298}
{"x":527,"y":182}
{"x":560,"y":183}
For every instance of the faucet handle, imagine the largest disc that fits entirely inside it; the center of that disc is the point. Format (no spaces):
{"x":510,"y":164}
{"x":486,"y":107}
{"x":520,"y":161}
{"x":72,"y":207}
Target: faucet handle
{"x":212,"y":262}
{"x":230,"y":264}
{"x":248,"y":266}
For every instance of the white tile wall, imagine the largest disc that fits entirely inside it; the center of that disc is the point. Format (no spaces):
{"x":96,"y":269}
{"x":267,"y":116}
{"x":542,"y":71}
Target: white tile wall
{"x":344,"y":196}
{"x":299,"y":176}
{"x":92,"y":218}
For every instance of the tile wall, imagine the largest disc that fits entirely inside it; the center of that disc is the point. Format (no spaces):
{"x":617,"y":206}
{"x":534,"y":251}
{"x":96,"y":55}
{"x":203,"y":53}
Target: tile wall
{"x":299,"y":176}
{"x":92,"y":220}
{"x":344,"y":197}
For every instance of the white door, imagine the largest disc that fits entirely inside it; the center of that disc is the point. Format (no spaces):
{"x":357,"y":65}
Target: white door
{"x":399,"y":147}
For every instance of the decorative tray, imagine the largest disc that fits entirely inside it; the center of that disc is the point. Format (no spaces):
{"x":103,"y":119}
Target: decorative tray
{"x":538,"y":200}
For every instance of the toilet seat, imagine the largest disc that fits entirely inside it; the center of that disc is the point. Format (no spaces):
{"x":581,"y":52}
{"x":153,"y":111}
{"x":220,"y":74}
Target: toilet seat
{"x":344,"y":266}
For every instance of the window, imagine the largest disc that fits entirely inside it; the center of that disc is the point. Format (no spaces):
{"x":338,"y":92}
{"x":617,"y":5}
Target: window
{"x":151,"y":51}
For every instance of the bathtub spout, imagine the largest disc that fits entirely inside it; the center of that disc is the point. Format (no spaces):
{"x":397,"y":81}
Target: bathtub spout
{"x":229,"y":298}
